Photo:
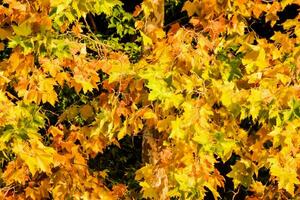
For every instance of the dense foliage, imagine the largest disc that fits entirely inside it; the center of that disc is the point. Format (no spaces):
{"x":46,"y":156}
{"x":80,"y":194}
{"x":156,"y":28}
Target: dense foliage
{"x":153,"y":99}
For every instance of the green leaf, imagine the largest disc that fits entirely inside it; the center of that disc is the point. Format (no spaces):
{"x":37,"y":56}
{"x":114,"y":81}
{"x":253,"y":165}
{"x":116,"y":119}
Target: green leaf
{"x":106,"y":6}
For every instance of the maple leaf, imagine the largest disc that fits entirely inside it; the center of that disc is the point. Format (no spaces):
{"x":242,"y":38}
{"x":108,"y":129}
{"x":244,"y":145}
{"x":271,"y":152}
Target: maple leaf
{"x":23,"y":29}
{"x":36,"y":156}
{"x":186,"y":94}
{"x":257,"y":187}
{"x":191,"y":7}
{"x":286,"y":175}
{"x":255,"y":58}
{"x":255,"y":99}
{"x":16,"y":171}
{"x":177,"y":130}
{"x":242,"y":173}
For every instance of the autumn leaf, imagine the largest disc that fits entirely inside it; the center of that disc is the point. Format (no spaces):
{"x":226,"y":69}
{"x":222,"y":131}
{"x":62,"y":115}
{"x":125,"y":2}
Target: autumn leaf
{"x":191,"y":7}
{"x":255,"y":58}
{"x":4,"y":33}
{"x":35,"y":155}
{"x":23,"y":29}
{"x":173,"y":92}
{"x":287,"y":176}
{"x":86,"y":111}
{"x":242,"y":173}
{"x":147,"y":41}
{"x":16,"y":172}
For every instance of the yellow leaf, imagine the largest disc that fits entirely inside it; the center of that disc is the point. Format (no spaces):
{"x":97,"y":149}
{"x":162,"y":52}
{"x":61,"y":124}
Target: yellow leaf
{"x":174,"y":193}
{"x":144,"y":185}
{"x":283,"y":78}
{"x":185,"y":181}
{"x":227,"y":94}
{"x":147,"y":41}
{"x":201,"y":136}
{"x":164,"y":124}
{"x":55,"y":131}
{"x":261,"y":61}
{"x":191,"y":7}
{"x":160,"y":33}
{"x":255,"y":77}
{"x":255,"y":58}
{"x":50,"y":97}
{"x":46,"y":88}
{"x":123,"y":131}
{"x":276,"y":53}
{"x":255,"y":99}
{"x":149,"y":115}
{"x":284,"y":3}
{"x":83,"y":84}
{"x":257,"y":187}
{"x":177,"y":131}
{"x":214,"y":191}
{"x":36,"y":156}
{"x":287,"y":175}
{"x":23,"y":29}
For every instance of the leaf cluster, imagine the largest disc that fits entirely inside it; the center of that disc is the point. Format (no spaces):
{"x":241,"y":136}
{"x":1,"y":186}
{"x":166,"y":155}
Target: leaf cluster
{"x":177,"y":100}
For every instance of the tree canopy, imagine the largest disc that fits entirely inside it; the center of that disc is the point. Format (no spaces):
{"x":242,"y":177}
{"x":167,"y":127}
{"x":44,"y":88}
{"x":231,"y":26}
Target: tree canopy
{"x":152,"y":99}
